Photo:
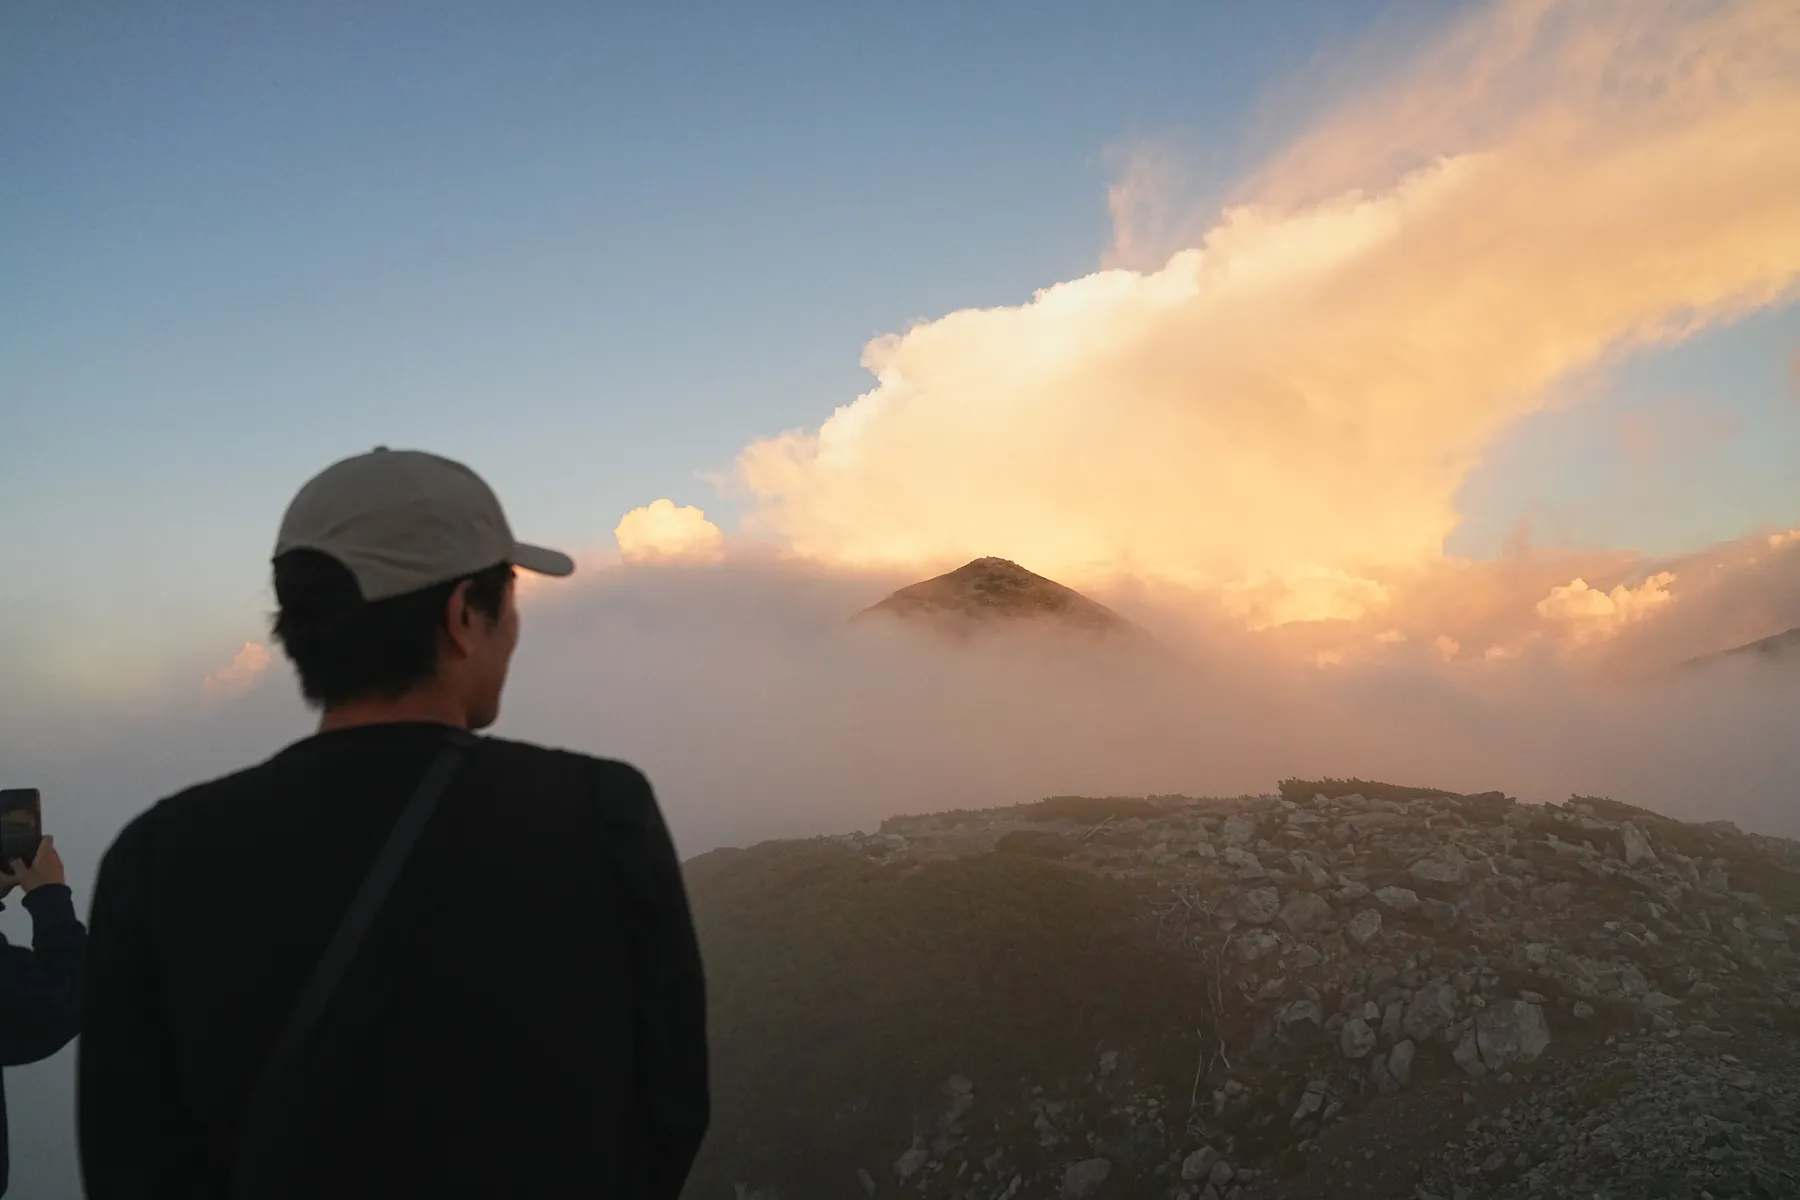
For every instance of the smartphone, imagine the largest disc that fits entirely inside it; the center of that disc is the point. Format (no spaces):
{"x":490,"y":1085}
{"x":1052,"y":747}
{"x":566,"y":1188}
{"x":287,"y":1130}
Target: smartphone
{"x":21,"y":825}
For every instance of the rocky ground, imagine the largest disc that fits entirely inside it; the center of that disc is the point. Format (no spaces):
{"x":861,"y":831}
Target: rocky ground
{"x":1407,"y":994}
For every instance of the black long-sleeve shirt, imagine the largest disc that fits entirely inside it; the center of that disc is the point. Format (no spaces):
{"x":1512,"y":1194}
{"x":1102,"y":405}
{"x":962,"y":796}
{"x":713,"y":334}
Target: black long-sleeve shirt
{"x":40,"y":989}
{"x":526,"y":1016}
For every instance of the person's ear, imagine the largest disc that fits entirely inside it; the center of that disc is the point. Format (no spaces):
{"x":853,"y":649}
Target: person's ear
{"x":459,"y":618}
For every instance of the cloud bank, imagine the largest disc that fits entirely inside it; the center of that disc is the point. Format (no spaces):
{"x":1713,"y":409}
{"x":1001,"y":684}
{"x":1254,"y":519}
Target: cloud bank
{"x":1283,"y":413}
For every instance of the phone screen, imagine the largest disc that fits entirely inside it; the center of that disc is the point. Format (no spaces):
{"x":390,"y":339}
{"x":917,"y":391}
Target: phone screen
{"x":21,"y":824}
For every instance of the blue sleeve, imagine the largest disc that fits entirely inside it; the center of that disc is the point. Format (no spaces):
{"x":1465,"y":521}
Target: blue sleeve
{"x":40,"y":988}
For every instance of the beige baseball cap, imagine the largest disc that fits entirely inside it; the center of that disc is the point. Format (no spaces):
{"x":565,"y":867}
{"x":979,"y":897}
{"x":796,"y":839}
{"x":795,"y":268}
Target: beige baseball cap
{"x":402,"y":520}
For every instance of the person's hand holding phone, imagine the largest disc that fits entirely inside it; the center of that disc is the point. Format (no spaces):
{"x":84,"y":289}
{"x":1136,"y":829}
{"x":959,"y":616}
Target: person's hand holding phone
{"x":45,"y":867}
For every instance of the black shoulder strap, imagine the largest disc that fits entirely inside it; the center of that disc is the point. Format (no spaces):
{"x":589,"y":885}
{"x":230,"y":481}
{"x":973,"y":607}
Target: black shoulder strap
{"x":258,"y":1126}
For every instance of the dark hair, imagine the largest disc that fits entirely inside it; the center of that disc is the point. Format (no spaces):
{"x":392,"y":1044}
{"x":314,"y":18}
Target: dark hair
{"x":346,"y":648}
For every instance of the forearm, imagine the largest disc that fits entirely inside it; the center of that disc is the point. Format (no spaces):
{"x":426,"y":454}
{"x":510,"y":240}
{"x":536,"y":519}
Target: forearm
{"x":57,"y":934}
{"x":42,"y":987}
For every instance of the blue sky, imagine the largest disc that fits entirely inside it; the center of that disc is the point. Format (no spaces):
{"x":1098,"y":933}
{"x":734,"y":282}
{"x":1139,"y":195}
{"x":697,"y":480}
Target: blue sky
{"x":594,"y":250}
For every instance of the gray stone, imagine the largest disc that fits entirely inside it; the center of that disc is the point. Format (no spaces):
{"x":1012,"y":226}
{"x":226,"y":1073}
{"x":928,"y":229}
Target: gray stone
{"x":1397,"y":898}
{"x":1364,"y":926}
{"x":1199,"y":1164}
{"x":1377,"y":1074}
{"x":1432,"y":1008}
{"x":1442,"y":915}
{"x":1085,"y":1178}
{"x":1473,"y":902}
{"x":1582,"y":1010}
{"x":1246,"y":863}
{"x":1390,"y":1022}
{"x":866,"y":1180}
{"x":960,"y":1104}
{"x":1238,"y":831}
{"x":1400,"y":1061}
{"x":1510,"y":1032}
{"x":1221,"y":1174}
{"x":1363,"y":824}
{"x":1356,"y":1039}
{"x":1311,"y":1101}
{"x":1448,"y":869}
{"x":1255,"y":945}
{"x":1258,"y":906}
{"x":1637,"y":845}
{"x":910,"y":1163}
{"x":1468,"y":1056}
{"x":1293,"y":1019}
{"x":1303,"y":912}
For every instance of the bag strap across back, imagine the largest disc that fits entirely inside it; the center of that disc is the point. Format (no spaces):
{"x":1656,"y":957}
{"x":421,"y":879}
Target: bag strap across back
{"x":260,"y":1115}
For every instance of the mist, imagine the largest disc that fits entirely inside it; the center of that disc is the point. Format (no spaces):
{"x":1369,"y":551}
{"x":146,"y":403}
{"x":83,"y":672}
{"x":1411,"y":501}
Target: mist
{"x":759,"y":712}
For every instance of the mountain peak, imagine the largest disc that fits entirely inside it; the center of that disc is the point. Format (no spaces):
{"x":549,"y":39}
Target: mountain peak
{"x":1777,"y":646}
{"x":993,"y":589}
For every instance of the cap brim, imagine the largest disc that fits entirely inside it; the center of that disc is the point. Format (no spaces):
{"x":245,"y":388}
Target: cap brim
{"x":540,"y":561}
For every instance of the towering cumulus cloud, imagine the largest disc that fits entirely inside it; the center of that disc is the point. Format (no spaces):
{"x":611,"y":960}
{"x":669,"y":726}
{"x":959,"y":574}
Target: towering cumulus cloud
{"x":1283,"y":412}
{"x":660,"y":530}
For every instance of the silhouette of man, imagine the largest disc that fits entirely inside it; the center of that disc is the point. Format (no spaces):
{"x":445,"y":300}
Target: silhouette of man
{"x":40,"y":987}
{"x":525,"y":1016}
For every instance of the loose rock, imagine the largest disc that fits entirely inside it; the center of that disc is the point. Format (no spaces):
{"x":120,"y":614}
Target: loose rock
{"x":1085,"y":1178}
{"x":1398,"y":898}
{"x":1356,"y":1039}
{"x":1258,"y":906}
{"x":1364,"y":926}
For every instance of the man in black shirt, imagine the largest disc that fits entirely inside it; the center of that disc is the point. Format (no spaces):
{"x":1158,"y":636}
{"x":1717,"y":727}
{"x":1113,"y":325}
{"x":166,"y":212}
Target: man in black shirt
{"x":40,"y":987}
{"x":526,"y":1014}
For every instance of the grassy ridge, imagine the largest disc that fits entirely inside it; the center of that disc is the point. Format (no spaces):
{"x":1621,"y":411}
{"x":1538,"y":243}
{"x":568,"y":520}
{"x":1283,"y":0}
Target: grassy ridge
{"x":844,"y":994}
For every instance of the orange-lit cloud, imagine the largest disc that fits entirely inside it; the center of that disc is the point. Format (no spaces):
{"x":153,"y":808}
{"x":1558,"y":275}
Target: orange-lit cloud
{"x":663,"y":531}
{"x":237,"y":677}
{"x":1282,"y":414}
{"x":1592,"y":613}
{"x":1576,"y":601}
